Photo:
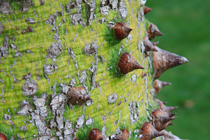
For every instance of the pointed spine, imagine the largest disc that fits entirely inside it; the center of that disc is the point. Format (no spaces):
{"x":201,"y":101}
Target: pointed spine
{"x":161,"y":119}
{"x":147,"y":10}
{"x":127,"y":63}
{"x":148,"y":45}
{"x":169,"y":136}
{"x":164,"y":60}
{"x":121,"y":30}
{"x":153,"y":31}
{"x":95,"y":134}
{"x":3,"y":136}
{"x":149,"y":132}
{"x":158,"y":85}
{"x":123,"y":136}
{"x":164,"y":107}
{"x":155,"y":43}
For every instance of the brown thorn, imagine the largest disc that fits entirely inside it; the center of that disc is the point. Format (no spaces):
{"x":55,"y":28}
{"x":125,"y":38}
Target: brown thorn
{"x":164,"y":60}
{"x":148,"y":45}
{"x":3,"y":136}
{"x":172,"y":114}
{"x":158,"y":85}
{"x":78,"y":96}
{"x":153,"y":31}
{"x":127,"y":63}
{"x":123,"y":136}
{"x":147,"y":10}
{"x":121,"y":30}
{"x":149,"y":132}
{"x":95,"y":134}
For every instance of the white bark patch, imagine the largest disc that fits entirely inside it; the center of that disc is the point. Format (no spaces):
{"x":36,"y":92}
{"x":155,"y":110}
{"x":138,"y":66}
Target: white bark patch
{"x":30,"y":87}
{"x":122,"y":10}
{"x":30,"y":20}
{"x":91,"y":48}
{"x":112,"y":98}
{"x":90,"y":8}
{"x":51,"y":19}
{"x":80,"y":121}
{"x":50,"y":68}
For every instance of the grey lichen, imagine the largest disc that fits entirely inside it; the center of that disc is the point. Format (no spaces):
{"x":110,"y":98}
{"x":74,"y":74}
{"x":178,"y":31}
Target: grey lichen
{"x":14,"y":79}
{"x":80,"y":121}
{"x":50,"y":68}
{"x":71,"y":53}
{"x":54,"y":50}
{"x":122,"y":10}
{"x":5,"y":7}
{"x":76,"y":19}
{"x":114,"y":4}
{"x":6,"y":41}
{"x":72,"y":82}
{"x":93,"y":71}
{"x":83,"y":77}
{"x":89,"y":121}
{"x":51,"y":19}
{"x":70,"y":5}
{"x":112,"y":98}
{"x":25,"y":5}
{"x":110,"y":25}
{"x":40,"y":104}
{"x":13,"y":46}
{"x":76,"y":65}
{"x":79,"y":6}
{"x":25,"y":108}
{"x":91,"y":48}
{"x":56,"y":102}
{"x":30,"y":20}
{"x":23,"y":128}
{"x":68,"y":130}
{"x":134,"y":111}
{"x":4,"y":49}
{"x":64,"y":88}
{"x":90,"y":8}
{"x":7,"y":117}
{"x":1,"y":28}
{"x":29,"y":87}
{"x":18,"y":54}
{"x":4,"y":52}
{"x":105,"y":10}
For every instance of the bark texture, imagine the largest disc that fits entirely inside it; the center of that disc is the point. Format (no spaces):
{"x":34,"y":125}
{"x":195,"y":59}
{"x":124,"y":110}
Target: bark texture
{"x":59,"y":69}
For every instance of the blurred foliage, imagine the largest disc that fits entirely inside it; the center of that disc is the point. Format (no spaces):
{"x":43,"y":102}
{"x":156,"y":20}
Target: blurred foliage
{"x":185,"y":25}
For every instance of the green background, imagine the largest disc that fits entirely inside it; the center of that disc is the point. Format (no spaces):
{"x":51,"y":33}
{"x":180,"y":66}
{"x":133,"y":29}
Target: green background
{"x":185,"y":24}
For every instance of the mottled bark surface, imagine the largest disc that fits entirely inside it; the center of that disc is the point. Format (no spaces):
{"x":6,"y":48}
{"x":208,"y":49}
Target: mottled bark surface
{"x":50,"y":48}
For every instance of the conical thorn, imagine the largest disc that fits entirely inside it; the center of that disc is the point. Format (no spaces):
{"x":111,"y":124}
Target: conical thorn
{"x":158,"y":85}
{"x":153,"y":31}
{"x":164,"y":60}
{"x":121,"y":30}
{"x":127,"y":63}
{"x":148,"y":45}
{"x":149,"y":132}
{"x":147,"y":10}
{"x":95,"y":134}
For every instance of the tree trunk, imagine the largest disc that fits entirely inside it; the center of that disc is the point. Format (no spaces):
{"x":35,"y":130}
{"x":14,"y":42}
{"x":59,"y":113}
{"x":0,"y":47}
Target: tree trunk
{"x":67,"y":68}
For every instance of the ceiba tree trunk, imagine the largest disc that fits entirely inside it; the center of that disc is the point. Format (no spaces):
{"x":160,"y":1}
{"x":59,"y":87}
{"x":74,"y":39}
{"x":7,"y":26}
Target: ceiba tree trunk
{"x":61,"y":69}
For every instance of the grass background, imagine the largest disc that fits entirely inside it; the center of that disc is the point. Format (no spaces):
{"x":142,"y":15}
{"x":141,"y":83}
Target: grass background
{"x":185,"y":24}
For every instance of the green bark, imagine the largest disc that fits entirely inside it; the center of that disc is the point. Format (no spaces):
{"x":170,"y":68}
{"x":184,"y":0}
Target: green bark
{"x":57,"y":28}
